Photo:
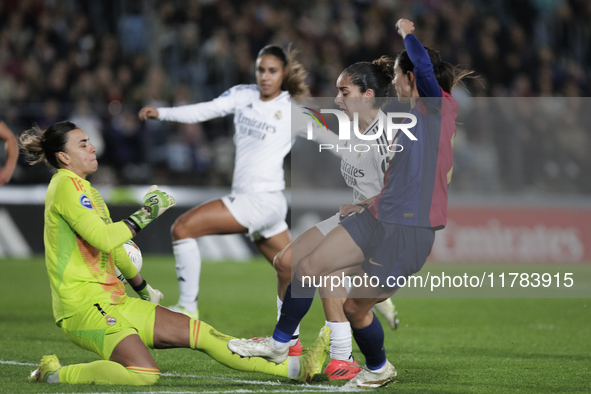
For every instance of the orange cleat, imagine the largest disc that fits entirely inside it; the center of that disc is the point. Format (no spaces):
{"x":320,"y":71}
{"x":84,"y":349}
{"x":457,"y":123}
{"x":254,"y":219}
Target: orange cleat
{"x":296,"y":350}
{"x":342,"y":370}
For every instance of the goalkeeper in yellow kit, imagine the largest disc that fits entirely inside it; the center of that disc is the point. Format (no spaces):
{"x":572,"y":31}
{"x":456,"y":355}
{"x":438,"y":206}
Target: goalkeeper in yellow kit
{"x":82,"y":247}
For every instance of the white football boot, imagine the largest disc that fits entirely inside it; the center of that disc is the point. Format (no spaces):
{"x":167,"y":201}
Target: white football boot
{"x":366,"y":379}
{"x":387,"y":309}
{"x":259,"y":347}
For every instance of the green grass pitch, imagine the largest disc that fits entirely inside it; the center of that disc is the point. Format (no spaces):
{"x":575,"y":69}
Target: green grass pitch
{"x":455,"y":345}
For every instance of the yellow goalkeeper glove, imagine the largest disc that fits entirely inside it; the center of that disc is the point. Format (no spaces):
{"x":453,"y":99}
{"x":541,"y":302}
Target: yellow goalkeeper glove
{"x":156,"y":202}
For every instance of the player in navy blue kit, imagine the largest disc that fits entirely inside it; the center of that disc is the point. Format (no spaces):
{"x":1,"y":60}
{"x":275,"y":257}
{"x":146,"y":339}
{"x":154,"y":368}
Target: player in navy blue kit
{"x":393,"y":236}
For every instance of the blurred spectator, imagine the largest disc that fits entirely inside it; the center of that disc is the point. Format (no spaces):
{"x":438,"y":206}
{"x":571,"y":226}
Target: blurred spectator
{"x":85,"y":118}
{"x":127,"y":150}
{"x":100,"y":61}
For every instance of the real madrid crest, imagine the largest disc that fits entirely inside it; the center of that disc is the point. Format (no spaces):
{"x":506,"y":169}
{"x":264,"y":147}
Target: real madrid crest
{"x":278,"y":115}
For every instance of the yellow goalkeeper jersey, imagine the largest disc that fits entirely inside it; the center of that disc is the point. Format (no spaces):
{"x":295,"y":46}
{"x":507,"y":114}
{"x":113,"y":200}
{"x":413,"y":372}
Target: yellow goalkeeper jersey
{"x":82,"y":244}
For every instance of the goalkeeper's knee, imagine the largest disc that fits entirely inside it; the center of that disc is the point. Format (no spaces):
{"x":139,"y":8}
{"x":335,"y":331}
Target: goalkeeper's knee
{"x":143,"y":376}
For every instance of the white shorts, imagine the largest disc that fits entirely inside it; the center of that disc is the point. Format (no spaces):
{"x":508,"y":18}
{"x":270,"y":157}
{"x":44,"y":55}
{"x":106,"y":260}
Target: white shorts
{"x":263,"y":214}
{"x":326,"y":226}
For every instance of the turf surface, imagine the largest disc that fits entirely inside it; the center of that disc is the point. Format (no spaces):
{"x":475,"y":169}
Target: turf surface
{"x":458,"y":345}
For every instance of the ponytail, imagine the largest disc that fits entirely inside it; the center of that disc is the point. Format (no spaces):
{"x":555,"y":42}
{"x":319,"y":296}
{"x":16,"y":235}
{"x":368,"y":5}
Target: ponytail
{"x":377,"y":76}
{"x":448,"y":76}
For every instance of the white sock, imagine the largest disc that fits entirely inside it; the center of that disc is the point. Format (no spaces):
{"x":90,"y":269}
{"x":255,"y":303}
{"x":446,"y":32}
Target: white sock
{"x":296,"y":334}
{"x":279,"y":305}
{"x":276,"y":345}
{"x":293,"y":367}
{"x":379,"y":370}
{"x":341,"y":345}
{"x":54,"y":378}
{"x":188,"y":270}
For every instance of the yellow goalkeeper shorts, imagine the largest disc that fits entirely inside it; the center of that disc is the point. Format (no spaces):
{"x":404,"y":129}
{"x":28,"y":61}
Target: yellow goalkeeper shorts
{"x":100,"y":327}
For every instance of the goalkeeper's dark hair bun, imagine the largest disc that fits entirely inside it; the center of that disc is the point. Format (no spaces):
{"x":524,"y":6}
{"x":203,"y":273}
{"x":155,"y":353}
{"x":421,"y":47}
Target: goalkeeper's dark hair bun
{"x":44,"y":145}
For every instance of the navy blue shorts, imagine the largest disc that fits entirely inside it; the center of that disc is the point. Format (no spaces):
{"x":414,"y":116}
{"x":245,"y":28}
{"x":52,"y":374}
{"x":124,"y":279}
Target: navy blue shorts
{"x":390,"y":250}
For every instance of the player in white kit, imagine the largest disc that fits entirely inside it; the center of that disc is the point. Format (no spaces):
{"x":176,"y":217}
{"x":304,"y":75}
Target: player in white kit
{"x":256,"y":204}
{"x":363,"y":88}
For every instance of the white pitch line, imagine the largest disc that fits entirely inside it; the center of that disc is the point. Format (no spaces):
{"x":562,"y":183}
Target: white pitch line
{"x":262,"y":382}
{"x":306,"y":387}
{"x":17,"y":363}
{"x":178,"y":375}
{"x":215,"y":392}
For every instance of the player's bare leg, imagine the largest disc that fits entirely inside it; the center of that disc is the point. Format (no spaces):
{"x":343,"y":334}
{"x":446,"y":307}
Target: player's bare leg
{"x":171,"y":329}
{"x":282,"y":265}
{"x":335,"y":253}
{"x":270,"y":247}
{"x":293,"y":253}
{"x":357,"y":306}
{"x":132,"y":352}
{"x":212,"y":217}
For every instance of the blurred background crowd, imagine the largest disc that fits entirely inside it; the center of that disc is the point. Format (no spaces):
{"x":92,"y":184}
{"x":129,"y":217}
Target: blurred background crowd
{"x":97,"y":63}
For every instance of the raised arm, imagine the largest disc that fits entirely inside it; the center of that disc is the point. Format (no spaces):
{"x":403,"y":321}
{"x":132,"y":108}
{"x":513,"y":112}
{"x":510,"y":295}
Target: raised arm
{"x":427,"y":84}
{"x":11,"y":147}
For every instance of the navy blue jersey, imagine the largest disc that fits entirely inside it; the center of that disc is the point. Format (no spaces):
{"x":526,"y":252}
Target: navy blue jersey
{"x":415,"y":185}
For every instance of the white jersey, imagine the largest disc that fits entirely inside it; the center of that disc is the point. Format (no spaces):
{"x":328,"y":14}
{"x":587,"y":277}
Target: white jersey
{"x":263,"y":134}
{"x":364,"y":171}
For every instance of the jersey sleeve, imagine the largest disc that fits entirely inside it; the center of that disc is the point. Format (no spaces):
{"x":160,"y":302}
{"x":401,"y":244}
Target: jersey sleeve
{"x":122,"y":261}
{"x":75,"y":207}
{"x":427,"y":84}
{"x":224,"y":105}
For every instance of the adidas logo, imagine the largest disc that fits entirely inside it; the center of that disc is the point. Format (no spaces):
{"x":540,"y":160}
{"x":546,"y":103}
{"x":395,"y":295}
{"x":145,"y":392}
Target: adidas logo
{"x":249,"y":106}
{"x":339,"y":372}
